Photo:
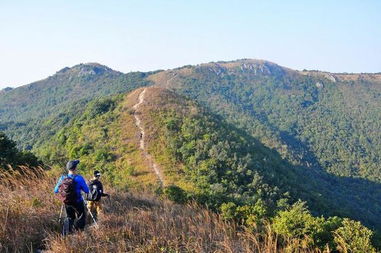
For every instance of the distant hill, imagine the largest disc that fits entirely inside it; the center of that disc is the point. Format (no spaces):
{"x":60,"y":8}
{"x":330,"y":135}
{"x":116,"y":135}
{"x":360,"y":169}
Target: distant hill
{"x":23,"y":110}
{"x":83,"y":81}
{"x":6,"y":89}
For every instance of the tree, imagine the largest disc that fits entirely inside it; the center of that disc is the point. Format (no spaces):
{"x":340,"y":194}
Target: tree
{"x":8,"y":151}
{"x":9,"y":155}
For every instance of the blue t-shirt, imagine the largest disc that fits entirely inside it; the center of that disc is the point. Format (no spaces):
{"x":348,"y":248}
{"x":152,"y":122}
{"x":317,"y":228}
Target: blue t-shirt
{"x":80,"y":185}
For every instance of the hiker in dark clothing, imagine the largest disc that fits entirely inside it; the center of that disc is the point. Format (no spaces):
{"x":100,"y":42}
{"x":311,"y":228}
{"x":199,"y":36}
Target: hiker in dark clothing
{"x":69,"y":189}
{"x":96,"y":193}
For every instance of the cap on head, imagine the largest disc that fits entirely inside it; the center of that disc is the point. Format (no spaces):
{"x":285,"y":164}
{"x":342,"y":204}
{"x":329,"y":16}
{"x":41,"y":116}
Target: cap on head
{"x":72,"y":165}
{"x":97,"y":173}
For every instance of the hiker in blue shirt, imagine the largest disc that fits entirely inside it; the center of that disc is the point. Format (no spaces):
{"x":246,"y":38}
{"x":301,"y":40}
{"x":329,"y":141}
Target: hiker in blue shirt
{"x":69,"y":189}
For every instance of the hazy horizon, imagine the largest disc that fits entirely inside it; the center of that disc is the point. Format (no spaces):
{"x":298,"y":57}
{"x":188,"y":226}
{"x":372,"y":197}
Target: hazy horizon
{"x":42,"y":37}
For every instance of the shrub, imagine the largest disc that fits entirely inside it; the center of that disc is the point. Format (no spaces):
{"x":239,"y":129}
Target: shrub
{"x":175,"y":193}
{"x":249,"y":215}
{"x":297,"y":223}
{"x":229,"y":211}
{"x":102,"y":155}
{"x":352,"y":236}
{"x":100,"y":106}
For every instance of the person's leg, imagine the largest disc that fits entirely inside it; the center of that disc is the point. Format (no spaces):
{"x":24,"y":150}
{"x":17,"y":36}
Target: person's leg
{"x":98,"y":209}
{"x":70,"y":215}
{"x":81,"y":216}
{"x":91,"y":205}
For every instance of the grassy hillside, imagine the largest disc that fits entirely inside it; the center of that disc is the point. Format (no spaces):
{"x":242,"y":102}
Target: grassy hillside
{"x":132,"y":222}
{"x":141,"y":222}
{"x":104,"y":137}
{"x":314,"y":119}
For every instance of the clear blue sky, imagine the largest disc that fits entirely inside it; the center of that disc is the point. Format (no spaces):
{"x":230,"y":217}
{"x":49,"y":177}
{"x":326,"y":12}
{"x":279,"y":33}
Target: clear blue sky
{"x":37,"y":38}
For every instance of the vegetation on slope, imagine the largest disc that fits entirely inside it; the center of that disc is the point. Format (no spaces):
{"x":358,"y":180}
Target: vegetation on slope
{"x":224,"y":164}
{"x":202,"y":154}
{"x":318,"y":120}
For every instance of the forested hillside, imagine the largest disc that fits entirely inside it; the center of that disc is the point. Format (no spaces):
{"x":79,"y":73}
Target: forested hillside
{"x":319,"y":120}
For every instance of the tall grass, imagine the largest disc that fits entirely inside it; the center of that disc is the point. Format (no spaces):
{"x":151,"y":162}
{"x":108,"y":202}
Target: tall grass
{"x":138,"y":222}
{"x":27,"y":210}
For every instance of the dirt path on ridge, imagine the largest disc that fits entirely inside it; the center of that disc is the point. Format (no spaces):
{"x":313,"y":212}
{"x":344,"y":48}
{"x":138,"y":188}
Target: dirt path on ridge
{"x":138,"y":123}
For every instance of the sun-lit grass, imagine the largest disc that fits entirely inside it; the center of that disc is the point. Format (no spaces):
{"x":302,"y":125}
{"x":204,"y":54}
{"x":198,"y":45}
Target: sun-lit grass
{"x":28,"y":210}
{"x":132,"y":222}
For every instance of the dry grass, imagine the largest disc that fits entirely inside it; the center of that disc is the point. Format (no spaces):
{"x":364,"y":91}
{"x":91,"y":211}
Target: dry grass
{"x":28,"y":210}
{"x":142,"y":223}
{"x":145,"y":224}
{"x":138,"y":222}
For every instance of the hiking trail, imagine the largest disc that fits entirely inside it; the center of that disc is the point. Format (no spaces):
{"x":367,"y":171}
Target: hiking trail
{"x":138,"y":123}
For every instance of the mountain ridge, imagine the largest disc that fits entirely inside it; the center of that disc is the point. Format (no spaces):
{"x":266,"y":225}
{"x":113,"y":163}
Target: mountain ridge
{"x":230,"y":63}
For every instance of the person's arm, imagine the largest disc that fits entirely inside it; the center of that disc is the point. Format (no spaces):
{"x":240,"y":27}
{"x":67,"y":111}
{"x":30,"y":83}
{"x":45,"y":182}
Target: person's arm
{"x":83,"y":185}
{"x":101,"y":190}
{"x":58,"y":184}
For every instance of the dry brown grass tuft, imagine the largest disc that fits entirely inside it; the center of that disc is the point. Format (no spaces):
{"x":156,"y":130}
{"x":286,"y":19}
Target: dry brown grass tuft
{"x":142,"y":223}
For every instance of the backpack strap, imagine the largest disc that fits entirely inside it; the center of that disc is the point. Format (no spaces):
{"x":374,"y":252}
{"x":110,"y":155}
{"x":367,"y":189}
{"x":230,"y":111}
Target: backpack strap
{"x":67,"y":175}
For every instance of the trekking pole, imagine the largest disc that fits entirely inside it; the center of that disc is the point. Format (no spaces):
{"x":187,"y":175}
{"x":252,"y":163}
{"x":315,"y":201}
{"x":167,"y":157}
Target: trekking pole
{"x":91,"y":214}
{"x":62,"y":207}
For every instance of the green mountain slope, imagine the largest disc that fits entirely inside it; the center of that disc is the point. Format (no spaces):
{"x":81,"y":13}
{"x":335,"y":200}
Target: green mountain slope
{"x":314,"y":119}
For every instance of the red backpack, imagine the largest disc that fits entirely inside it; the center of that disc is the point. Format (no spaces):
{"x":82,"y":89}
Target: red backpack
{"x":66,"y":191}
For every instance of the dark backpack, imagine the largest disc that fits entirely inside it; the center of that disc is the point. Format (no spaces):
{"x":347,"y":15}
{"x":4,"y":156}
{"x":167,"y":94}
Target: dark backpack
{"x":95,"y":193}
{"x":66,"y":191}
